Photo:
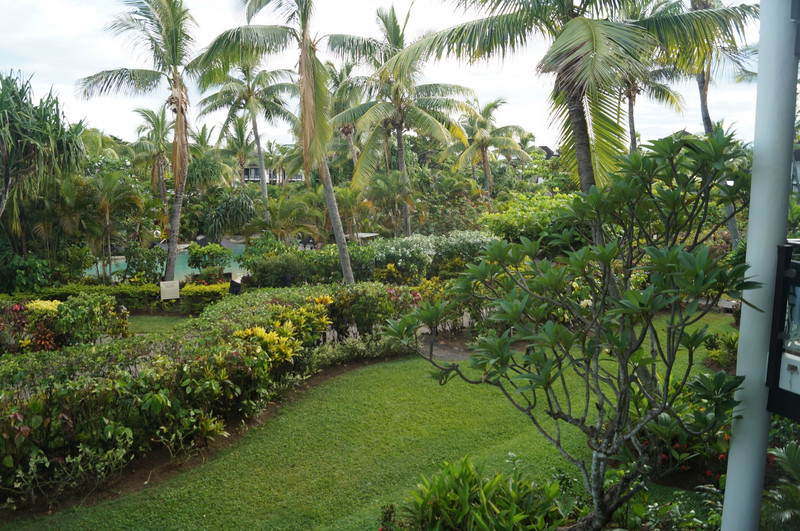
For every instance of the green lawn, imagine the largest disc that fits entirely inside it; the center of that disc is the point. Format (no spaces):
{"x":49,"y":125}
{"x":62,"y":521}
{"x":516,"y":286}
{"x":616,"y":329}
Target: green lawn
{"x":148,"y":324}
{"x":332,"y":458}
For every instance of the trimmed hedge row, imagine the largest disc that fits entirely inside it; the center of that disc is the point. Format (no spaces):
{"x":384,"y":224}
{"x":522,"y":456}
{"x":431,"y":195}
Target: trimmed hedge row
{"x":394,"y":261}
{"x":135,"y":297}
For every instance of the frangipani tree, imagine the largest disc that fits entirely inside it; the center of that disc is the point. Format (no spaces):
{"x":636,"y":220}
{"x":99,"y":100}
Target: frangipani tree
{"x":162,"y":30}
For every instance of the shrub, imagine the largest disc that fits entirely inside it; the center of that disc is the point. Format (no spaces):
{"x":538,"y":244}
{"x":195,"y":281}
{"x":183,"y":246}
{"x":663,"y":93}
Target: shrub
{"x":352,"y":349}
{"x":325,"y":266}
{"x":263,"y":247}
{"x":85,"y":318}
{"x":358,"y":309}
{"x":462,"y":496}
{"x":282,"y":270}
{"x":410,"y":257}
{"x":210,"y":275}
{"x":196,"y":297}
{"x":212,"y":255}
{"x":533,"y":216}
{"x":144,"y":266}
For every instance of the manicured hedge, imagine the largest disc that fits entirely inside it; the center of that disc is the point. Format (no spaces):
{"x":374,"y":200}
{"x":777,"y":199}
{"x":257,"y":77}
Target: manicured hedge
{"x":136,"y":297}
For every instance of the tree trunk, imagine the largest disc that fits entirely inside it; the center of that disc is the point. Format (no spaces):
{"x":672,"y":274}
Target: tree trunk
{"x":708,"y":126}
{"x":401,"y":165}
{"x":583,"y":146}
{"x":336,"y":222}
{"x":161,"y":169}
{"x":631,"y":122}
{"x":348,"y":133}
{"x":108,"y":243}
{"x":702,"y":85}
{"x":474,"y":173}
{"x":487,"y":172}
{"x":180,"y":166}
{"x":3,"y":200}
{"x":262,"y":173}
{"x":242,"y":164}
{"x":387,"y":152}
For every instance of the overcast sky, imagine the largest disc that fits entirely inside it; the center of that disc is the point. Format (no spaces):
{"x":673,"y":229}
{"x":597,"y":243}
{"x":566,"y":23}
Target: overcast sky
{"x":60,"y":41}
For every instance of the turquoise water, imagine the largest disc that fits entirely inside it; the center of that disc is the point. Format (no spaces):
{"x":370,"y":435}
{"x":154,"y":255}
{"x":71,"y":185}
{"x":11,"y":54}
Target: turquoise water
{"x":182,"y":269}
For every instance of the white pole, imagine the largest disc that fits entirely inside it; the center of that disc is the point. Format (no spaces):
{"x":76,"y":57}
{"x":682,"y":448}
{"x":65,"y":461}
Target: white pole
{"x":769,"y":203}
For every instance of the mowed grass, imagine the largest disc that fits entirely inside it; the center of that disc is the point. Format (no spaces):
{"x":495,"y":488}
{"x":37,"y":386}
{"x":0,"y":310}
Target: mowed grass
{"x":331,"y":459}
{"x":150,"y":324}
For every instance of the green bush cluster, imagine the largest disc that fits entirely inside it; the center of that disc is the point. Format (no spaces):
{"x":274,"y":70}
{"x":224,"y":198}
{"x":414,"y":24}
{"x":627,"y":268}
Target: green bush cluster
{"x":463,"y":496}
{"x":212,"y":255}
{"x":392,"y":261}
{"x":43,"y":325}
{"x":144,"y":266}
{"x":532,"y":216}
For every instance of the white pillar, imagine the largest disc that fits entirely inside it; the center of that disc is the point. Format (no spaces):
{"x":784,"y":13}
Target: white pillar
{"x":772,"y":157}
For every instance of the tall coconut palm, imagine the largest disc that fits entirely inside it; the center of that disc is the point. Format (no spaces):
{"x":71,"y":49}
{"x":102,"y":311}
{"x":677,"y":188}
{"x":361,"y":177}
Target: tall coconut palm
{"x":153,"y":145}
{"x":591,"y":50}
{"x":482,"y":135}
{"x":162,"y":30}
{"x":314,"y":124}
{"x":257,"y":92}
{"x":399,"y":104}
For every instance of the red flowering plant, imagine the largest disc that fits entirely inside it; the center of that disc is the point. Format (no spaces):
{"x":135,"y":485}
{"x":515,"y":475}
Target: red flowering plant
{"x":704,"y":407}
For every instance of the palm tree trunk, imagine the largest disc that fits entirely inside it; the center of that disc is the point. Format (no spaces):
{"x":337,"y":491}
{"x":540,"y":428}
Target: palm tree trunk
{"x":702,"y":85}
{"x":401,"y":165}
{"x":487,"y":172}
{"x":708,"y":126}
{"x":386,"y":152}
{"x":349,"y":136}
{"x":631,"y":122}
{"x":242,"y":164}
{"x":583,"y":146}
{"x":262,"y":173}
{"x":161,"y":168}
{"x":336,"y":222}
{"x":180,"y":165}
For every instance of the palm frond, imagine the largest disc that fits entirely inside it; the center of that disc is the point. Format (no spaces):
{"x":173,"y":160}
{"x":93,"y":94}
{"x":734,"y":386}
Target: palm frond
{"x":120,"y":81}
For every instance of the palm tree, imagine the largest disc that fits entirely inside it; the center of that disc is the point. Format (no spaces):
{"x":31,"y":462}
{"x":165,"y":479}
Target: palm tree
{"x":162,"y":29}
{"x":113,"y":197}
{"x":482,"y":135}
{"x":239,"y":144}
{"x":257,"y":92}
{"x":399,"y":103}
{"x":346,"y":91}
{"x":290,"y":216}
{"x":590,"y":53}
{"x":314,"y":124}
{"x":153,"y":145}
